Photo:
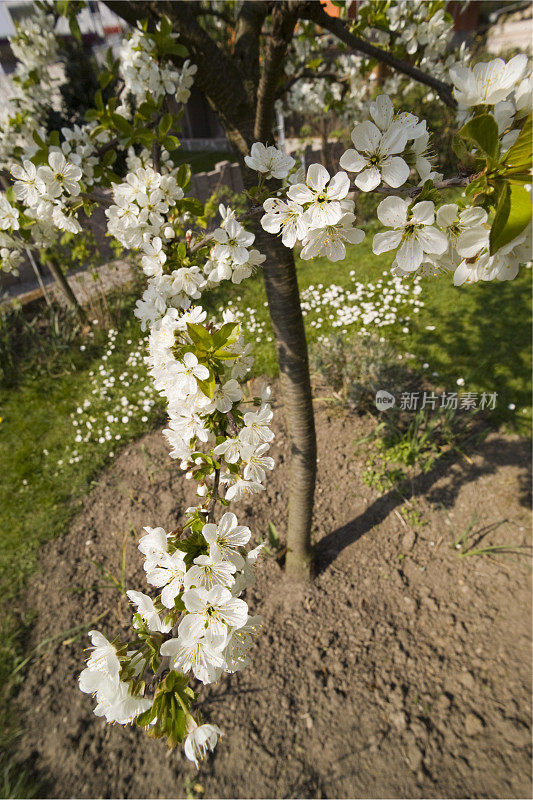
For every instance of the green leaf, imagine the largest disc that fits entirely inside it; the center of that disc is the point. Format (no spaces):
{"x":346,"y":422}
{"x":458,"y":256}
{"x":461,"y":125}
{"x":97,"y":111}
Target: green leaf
{"x":518,"y":158}
{"x":109,"y":158}
{"x":199,"y":335}
{"x":273,"y":536}
{"x":146,"y":717}
{"x":105,"y":79}
{"x":513,"y":214}
{"x":74,"y":27}
{"x":228,"y":333}
{"x":121,"y":124}
{"x":192,"y":205}
{"x":144,"y":136}
{"x":207,"y":386}
{"x":183,"y":175}
{"x":483,"y":132}
{"x":171,"y":143}
{"x":165,"y":124}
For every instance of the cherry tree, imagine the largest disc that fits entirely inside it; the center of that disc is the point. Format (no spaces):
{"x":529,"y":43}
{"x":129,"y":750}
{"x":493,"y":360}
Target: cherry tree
{"x":199,"y":625}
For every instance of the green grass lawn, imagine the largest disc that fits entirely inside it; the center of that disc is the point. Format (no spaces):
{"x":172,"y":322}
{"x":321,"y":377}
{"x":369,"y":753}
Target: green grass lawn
{"x":481,"y":334}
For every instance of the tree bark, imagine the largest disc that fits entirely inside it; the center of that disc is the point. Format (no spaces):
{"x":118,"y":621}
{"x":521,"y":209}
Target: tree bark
{"x":287,"y":320}
{"x":65,"y":287}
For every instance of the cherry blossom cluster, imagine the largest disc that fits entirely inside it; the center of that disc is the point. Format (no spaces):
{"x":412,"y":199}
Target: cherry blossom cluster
{"x":506,"y":90}
{"x":387,"y":148}
{"x":378,"y":144}
{"x":197,"y":625}
{"x":145,"y":76}
{"x":34,"y":83}
{"x":317,"y":213}
{"x":138,"y":217}
{"x":10,"y":245}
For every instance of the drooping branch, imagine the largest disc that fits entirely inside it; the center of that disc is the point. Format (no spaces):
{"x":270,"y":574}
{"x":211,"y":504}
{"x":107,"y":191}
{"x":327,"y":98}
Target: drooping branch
{"x":314,"y":12}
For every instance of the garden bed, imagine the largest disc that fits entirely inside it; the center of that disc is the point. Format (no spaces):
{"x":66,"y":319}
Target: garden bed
{"x":403,"y":669}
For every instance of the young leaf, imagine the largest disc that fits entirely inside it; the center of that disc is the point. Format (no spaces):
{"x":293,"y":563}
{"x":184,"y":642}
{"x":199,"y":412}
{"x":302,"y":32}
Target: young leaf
{"x":199,"y":335}
{"x":207,"y":386}
{"x":518,"y":158}
{"x":273,"y":536}
{"x":513,"y":214}
{"x":483,"y":132}
{"x":165,"y":124}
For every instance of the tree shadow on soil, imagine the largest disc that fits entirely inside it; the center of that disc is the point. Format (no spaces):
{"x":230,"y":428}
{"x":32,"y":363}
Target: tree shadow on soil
{"x":496,"y":453}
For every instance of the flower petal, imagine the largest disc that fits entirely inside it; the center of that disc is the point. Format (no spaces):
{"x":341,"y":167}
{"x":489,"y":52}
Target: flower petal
{"x":385,"y":241}
{"x":395,"y":172}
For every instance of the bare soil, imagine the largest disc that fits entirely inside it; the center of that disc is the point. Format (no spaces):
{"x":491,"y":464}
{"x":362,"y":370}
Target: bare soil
{"x":401,"y":670}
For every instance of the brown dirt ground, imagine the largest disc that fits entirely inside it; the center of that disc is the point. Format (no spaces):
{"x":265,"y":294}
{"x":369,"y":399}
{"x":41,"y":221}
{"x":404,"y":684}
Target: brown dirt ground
{"x":402,"y":670}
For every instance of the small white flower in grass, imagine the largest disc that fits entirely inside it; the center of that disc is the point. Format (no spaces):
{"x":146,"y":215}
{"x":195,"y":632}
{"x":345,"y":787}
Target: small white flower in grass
{"x":60,"y":176}
{"x":201,"y":738}
{"x":269,"y":161}
{"x":202,"y":656}
{"x":285,"y":216}
{"x":168,"y":573}
{"x":233,"y":242}
{"x":321,"y":195}
{"x":207,"y":572}
{"x":375,"y":156}
{"x":147,"y":611}
{"x":413,"y":232}
{"x":104,"y":656}
{"x":226,"y":538}
{"x":329,"y":241}
{"x":256,"y":462}
{"x":211,"y":612}
{"x":487,"y":83}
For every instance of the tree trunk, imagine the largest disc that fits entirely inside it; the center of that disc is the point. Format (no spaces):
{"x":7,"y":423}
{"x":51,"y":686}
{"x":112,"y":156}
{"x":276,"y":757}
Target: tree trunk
{"x":64,"y":285}
{"x":285,"y":311}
